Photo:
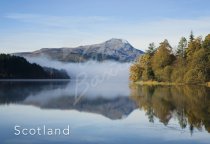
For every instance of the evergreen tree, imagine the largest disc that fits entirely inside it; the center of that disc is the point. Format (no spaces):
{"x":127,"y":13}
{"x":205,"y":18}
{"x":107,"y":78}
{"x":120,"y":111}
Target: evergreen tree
{"x":151,"y":49}
{"x":182,"y":47}
{"x":191,"y":36}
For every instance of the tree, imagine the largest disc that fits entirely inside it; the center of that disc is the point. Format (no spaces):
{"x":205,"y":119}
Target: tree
{"x":182,"y":47}
{"x":206,"y":42}
{"x":193,"y":46}
{"x":163,"y":55}
{"x":148,"y":74}
{"x":162,"y":58}
{"x":151,"y":49}
{"x":191,"y":36}
{"x":206,"y":46}
{"x":135,"y":72}
{"x":197,"y":70}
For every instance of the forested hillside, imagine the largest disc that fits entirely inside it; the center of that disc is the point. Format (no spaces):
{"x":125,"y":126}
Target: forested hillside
{"x":15,"y":67}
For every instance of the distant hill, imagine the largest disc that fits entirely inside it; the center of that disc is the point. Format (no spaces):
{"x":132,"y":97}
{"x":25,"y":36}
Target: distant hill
{"x":113,"y":49}
{"x":15,"y":67}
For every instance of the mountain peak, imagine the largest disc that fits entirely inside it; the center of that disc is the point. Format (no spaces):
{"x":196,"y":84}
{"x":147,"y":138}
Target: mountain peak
{"x":117,"y":40}
{"x":113,"y":49}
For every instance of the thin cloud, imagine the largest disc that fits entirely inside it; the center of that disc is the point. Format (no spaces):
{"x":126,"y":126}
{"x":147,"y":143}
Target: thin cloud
{"x":78,"y":31}
{"x":58,"y":21}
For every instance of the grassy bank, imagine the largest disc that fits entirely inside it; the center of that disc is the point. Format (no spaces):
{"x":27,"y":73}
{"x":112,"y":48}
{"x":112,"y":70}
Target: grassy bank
{"x":165,"y":83}
{"x":155,"y":83}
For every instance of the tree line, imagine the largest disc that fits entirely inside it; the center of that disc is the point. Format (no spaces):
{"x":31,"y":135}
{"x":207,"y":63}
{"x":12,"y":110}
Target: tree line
{"x":189,"y":63}
{"x":15,"y":67}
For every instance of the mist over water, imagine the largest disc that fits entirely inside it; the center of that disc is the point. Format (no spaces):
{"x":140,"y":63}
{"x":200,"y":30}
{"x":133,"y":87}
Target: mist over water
{"x":92,"y":79}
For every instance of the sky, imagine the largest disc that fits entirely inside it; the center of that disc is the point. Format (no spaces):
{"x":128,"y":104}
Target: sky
{"x":28,"y":25}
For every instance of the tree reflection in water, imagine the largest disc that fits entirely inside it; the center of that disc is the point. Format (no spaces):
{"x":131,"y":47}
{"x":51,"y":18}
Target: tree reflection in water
{"x":190,"y":105}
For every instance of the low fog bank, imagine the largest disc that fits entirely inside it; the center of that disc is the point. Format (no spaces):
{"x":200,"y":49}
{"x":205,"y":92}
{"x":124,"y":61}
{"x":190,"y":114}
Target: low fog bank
{"x":92,"y":70}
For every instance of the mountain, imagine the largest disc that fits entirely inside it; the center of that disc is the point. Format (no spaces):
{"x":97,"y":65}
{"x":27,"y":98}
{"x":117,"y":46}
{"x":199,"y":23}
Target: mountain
{"x":113,"y":49}
{"x":15,"y":67}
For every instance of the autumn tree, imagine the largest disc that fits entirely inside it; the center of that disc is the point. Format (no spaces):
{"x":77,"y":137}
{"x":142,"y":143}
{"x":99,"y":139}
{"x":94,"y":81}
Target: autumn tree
{"x":162,"y":58}
{"x":206,"y":42}
{"x":206,"y":46}
{"x":193,"y":46}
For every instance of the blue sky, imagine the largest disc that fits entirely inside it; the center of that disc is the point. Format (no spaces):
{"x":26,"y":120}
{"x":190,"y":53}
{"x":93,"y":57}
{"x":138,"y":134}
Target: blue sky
{"x":27,"y":25}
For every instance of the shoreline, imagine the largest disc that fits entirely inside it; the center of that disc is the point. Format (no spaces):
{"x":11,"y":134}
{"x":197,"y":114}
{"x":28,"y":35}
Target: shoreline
{"x":168,"y":83}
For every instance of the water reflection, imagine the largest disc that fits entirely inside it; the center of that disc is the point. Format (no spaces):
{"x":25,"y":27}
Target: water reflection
{"x":105,"y":113}
{"x":61,"y":95}
{"x":17,"y":91}
{"x":190,"y":105}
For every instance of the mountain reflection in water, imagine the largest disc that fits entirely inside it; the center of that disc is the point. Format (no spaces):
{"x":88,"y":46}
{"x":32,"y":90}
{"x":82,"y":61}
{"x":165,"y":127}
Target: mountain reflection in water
{"x":190,"y":105}
{"x":61,"y":95}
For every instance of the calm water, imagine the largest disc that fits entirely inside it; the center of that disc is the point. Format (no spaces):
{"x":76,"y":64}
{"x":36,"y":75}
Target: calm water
{"x":109,"y":112}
